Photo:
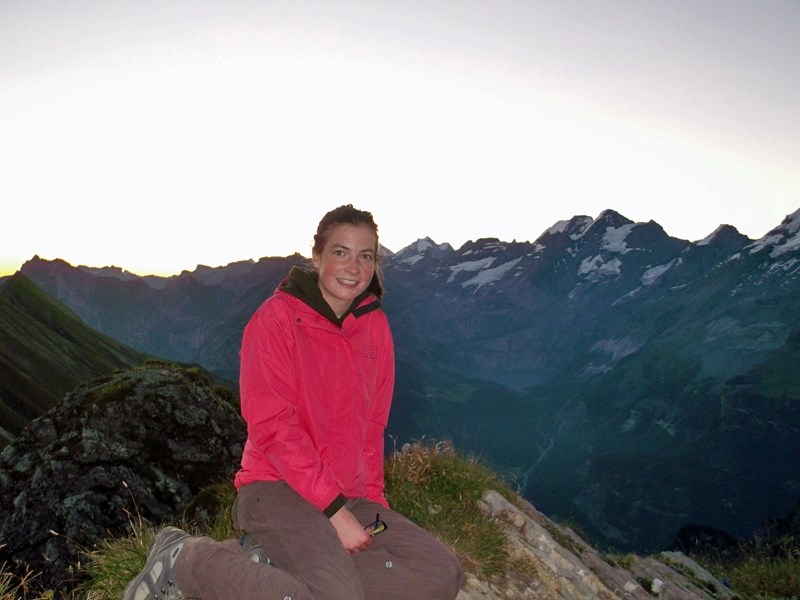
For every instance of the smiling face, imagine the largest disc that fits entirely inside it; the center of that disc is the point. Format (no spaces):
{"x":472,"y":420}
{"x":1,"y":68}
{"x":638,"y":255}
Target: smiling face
{"x":346,"y":264}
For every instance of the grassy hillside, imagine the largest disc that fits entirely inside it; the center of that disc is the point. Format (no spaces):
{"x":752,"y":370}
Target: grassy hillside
{"x":46,"y":351}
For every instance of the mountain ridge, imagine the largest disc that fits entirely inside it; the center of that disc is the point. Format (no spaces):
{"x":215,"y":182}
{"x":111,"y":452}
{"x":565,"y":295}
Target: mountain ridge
{"x":46,"y":351}
{"x":591,"y":364}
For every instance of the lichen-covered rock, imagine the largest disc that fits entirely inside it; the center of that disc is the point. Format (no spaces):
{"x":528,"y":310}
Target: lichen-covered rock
{"x":141,"y":442}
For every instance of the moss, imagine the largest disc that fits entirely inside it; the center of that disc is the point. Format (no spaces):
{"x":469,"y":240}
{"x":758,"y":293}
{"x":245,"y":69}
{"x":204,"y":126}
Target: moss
{"x":113,"y":391}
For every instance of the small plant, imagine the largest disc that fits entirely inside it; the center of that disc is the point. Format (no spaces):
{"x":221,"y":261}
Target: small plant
{"x":564,"y":539}
{"x":647,"y":585}
{"x":197,"y":375}
{"x":117,"y":561}
{"x":13,"y":587}
{"x":112,"y":391}
{"x":226,"y":394}
{"x":439,"y":490}
{"x":621,"y":560}
{"x":764,"y":573}
{"x":210,"y":511}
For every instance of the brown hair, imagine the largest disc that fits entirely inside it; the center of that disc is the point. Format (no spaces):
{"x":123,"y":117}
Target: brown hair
{"x":348,"y":215}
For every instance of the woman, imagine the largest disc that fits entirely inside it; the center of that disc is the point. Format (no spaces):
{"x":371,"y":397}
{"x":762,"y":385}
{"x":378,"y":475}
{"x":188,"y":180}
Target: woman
{"x":316,"y":381}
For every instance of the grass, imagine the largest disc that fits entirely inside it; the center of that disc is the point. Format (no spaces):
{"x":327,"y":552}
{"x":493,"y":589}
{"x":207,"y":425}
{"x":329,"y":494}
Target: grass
{"x":13,"y":587}
{"x":439,"y":489}
{"x":429,"y":482}
{"x":434,"y":486}
{"x":118,"y":560}
{"x":115,"y":562}
{"x":764,"y":573}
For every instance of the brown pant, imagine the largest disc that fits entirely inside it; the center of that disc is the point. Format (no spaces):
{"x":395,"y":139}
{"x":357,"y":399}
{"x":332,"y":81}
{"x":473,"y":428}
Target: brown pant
{"x":310,"y":563}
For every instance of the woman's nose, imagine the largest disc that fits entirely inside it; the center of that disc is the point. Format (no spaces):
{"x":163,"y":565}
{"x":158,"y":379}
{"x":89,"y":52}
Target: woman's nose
{"x":352,"y":264}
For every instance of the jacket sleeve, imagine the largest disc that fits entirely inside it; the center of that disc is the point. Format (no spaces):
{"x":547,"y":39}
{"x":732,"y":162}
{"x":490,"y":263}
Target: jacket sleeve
{"x":377,"y":421}
{"x":268,"y":391}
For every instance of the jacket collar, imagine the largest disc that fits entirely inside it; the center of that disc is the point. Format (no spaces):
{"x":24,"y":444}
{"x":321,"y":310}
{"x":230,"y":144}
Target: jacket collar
{"x":303,"y":284}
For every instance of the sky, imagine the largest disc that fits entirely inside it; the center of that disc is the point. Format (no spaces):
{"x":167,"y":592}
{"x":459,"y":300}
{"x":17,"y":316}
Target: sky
{"x":156,"y":135}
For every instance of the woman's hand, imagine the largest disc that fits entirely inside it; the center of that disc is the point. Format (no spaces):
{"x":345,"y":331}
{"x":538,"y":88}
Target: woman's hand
{"x":351,"y":533}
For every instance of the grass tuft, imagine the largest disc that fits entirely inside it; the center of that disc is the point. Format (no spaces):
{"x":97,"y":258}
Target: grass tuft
{"x":13,"y":587}
{"x":116,"y":561}
{"x":764,"y":573}
{"x":439,"y":490}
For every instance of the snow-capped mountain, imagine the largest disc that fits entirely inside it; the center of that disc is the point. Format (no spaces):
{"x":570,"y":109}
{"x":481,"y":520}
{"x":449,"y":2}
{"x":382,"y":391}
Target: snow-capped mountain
{"x":629,"y":380}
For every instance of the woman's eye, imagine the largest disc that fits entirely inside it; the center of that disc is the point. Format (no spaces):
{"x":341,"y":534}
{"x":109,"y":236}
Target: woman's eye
{"x":368,"y":257}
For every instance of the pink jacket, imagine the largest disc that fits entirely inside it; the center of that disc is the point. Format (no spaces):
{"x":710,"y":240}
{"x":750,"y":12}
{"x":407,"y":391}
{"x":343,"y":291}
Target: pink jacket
{"x":316,"y":399}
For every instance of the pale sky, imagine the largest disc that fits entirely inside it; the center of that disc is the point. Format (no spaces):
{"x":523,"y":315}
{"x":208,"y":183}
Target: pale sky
{"x":156,"y":135}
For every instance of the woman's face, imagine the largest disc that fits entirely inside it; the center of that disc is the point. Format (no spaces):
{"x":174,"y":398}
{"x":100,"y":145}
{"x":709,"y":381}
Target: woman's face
{"x":346,"y":264}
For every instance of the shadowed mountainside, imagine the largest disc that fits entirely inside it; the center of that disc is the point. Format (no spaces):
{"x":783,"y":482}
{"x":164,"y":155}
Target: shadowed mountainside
{"x":45,"y":352}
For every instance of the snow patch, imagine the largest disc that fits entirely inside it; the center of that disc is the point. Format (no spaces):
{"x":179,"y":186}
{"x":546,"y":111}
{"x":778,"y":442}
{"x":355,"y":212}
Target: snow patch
{"x":617,"y":348}
{"x":614,"y":239}
{"x":599,"y":267}
{"x":631,"y":421}
{"x":488,"y":276}
{"x":784,"y":238}
{"x":559,"y":227}
{"x":417,"y":251}
{"x":582,"y":225}
{"x":790,"y":245}
{"x":650,"y":276}
{"x":411,"y":260}
{"x":783,"y":266}
{"x":471,"y":266}
{"x":632,"y":294}
{"x":613,"y":242}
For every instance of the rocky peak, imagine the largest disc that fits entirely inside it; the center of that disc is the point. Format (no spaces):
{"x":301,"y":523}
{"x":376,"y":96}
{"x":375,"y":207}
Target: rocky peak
{"x":419,"y":250}
{"x":611,"y":218}
{"x":784,"y":238}
{"x":724,"y":235}
{"x":572,"y":228}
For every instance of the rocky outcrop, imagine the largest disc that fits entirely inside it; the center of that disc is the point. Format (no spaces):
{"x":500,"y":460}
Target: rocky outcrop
{"x":553,"y":563}
{"x":135,"y":443}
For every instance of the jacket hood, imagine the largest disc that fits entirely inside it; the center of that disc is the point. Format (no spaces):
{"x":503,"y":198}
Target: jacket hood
{"x":303,"y":284}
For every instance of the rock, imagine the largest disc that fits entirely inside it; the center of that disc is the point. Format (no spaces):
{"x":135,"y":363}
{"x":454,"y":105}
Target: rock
{"x":137,"y":443}
{"x":568,"y":568}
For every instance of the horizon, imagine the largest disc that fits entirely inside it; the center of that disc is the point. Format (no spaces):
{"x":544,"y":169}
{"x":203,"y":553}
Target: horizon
{"x":123,"y":268}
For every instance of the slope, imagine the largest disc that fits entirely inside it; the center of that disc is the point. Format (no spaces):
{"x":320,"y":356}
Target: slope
{"x":46,"y":351}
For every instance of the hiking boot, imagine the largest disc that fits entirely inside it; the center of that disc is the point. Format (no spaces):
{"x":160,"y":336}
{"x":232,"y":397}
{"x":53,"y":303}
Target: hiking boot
{"x":253,"y":550}
{"x":156,"y":581}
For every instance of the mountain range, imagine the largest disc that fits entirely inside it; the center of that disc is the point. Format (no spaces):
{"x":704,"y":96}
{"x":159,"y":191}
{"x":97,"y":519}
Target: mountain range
{"x":628,"y":381}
